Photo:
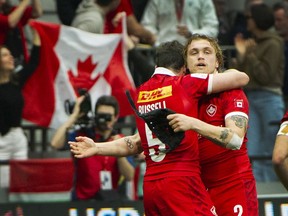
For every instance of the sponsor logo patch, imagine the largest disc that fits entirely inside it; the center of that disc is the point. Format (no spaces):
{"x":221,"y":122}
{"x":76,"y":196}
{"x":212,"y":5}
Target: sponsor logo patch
{"x":156,"y":94}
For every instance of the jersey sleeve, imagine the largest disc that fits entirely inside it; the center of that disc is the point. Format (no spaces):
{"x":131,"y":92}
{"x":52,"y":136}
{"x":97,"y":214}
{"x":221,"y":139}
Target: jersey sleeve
{"x":235,"y":102}
{"x":197,"y":85}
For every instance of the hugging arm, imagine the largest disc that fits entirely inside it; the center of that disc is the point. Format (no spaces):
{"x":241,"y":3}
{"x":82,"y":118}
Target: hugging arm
{"x":230,"y":79}
{"x":231,"y":136}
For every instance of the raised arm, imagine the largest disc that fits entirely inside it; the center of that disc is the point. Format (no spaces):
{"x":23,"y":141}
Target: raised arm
{"x":231,"y":136}
{"x":29,"y":68}
{"x":37,"y":10}
{"x":230,"y":79}
{"x":15,"y":16}
{"x":86,"y":147}
{"x":135,"y":28}
{"x":59,"y":138}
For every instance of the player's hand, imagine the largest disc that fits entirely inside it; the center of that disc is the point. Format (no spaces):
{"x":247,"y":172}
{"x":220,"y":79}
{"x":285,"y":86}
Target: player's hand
{"x":179,"y":122}
{"x":83,"y":147}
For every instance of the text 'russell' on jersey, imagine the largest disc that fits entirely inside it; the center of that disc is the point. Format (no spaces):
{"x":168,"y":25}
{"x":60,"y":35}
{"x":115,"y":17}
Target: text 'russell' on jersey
{"x":149,"y":107}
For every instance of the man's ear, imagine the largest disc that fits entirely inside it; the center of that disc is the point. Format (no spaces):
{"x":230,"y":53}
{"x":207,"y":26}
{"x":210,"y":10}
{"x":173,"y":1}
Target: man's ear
{"x":217,"y":65}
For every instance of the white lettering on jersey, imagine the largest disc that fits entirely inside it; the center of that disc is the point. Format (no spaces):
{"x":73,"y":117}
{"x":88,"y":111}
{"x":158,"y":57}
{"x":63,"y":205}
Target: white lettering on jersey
{"x":149,"y":107}
{"x":157,"y":150}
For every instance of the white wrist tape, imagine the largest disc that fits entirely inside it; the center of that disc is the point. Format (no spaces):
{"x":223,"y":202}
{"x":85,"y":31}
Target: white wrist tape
{"x":235,"y":143}
{"x":283,"y":129}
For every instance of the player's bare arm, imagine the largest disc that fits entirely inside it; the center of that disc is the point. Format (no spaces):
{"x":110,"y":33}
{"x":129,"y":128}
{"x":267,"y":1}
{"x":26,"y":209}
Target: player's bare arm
{"x":86,"y":147}
{"x":230,"y":79}
{"x":231,"y":136}
{"x":280,"y":154}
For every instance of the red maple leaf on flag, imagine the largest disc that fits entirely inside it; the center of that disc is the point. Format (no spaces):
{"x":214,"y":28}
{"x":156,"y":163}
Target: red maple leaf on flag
{"x":83,"y":80}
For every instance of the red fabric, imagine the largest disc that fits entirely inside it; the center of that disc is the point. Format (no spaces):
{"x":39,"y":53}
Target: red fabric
{"x":124,"y":6}
{"x":88,"y":186}
{"x":285,"y":117}
{"x":181,"y":95}
{"x":232,"y":186}
{"x":224,"y":163}
{"x":178,"y":195}
{"x":35,"y":110}
{"x":41,"y":175}
{"x":88,"y":175}
{"x":237,"y":197}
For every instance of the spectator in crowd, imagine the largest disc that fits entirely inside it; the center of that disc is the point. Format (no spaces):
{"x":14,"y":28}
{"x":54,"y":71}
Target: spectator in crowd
{"x":179,"y":169}
{"x":66,"y":10}
{"x":12,"y":21}
{"x":178,"y":20}
{"x":280,"y":152}
{"x":281,"y":25}
{"x":262,"y":58}
{"x":225,"y":22}
{"x":97,"y":175}
{"x":90,"y":14}
{"x":133,"y":26}
{"x":223,"y":121}
{"x":141,"y":64}
{"x":240,"y":21}
{"x":13,"y":142}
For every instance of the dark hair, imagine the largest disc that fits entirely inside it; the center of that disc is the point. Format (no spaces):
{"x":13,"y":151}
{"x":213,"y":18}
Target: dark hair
{"x":170,"y":55}
{"x":262,"y":15}
{"x":281,"y":5}
{"x":213,"y":42}
{"x":6,"y":8}
{"x":108,"y":100}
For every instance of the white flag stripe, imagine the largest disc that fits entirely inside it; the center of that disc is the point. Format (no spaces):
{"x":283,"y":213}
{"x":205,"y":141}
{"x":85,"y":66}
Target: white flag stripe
{"x":74,"y":44}
{"x":80,"y":44}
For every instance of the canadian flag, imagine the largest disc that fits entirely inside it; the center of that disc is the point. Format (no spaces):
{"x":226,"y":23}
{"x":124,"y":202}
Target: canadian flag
{"x":72,"y":59}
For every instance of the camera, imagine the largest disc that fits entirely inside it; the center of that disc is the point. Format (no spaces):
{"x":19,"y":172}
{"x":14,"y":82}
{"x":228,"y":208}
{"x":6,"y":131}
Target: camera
{"x":101,"y":120}
{"x":85,"y":107}
{"x":87,"y":121}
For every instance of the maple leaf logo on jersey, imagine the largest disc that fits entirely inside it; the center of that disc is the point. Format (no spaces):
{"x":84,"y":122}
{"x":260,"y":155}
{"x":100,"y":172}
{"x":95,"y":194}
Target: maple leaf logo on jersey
{"x":211,"y":110}
{"x":83,"y":79}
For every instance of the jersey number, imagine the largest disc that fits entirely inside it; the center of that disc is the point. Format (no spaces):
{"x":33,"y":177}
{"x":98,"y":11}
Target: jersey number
{"x":238,"y":209}
{"x":157,"y":149}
